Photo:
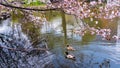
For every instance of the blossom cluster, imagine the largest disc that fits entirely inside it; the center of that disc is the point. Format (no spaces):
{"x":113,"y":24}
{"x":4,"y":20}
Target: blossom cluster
{"x":85,"y":9}
{"x":92,"y":10}
{"x":104,"y":33}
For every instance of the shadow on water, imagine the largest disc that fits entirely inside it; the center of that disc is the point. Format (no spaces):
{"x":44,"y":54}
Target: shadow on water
{"x":91,"y":51}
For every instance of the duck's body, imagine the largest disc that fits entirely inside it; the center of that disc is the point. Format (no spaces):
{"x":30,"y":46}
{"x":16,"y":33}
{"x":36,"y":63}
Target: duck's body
{"x":70,"y":48}
{"x":69,"y":56}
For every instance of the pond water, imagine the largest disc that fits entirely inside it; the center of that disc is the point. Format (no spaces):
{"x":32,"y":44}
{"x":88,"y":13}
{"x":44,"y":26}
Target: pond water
{"x":91,"y":50}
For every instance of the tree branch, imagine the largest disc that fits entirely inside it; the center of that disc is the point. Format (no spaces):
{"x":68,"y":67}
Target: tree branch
{"x":11,"y":6}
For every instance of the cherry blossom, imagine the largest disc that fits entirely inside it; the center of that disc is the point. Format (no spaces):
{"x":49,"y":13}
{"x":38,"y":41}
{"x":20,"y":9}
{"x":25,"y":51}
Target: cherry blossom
{"x":92,"y":9}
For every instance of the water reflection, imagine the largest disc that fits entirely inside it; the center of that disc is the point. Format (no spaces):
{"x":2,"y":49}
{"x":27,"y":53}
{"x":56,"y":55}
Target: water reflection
{"x":64,"y":27}
{"x":118,"y":32}
{"x":5,"y":26}
{"x":91,"y":50}
{"x":97,"y":53}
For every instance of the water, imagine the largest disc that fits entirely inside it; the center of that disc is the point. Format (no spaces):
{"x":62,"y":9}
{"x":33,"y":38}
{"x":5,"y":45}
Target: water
{"x":5,"y":25}
{"x":13,"y":46}
{"x":90,"y":47}
{"x":91,"y":51}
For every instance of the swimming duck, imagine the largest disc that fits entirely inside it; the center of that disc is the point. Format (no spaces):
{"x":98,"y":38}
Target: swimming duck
{"x":70,"y":48}
{"x":69,"y":56}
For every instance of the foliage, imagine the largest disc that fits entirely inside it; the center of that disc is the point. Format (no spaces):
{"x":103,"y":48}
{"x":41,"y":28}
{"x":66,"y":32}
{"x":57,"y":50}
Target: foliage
{"x":35,"y":3}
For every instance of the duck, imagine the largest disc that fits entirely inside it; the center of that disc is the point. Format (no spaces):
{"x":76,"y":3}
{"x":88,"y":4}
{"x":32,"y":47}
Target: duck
{"x":69,"y":56}
{"x":70,"y":48}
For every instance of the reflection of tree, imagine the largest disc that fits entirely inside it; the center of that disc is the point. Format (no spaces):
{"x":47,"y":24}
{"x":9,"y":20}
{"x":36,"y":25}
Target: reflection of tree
{"x":87,"y":38}
{"x":29,"y":26}
{"x":50,"y":15}
{"x":64,"y":27}
{"x":32,"y":31}
{"x":18,"y":18}
{"x":93,"y":23}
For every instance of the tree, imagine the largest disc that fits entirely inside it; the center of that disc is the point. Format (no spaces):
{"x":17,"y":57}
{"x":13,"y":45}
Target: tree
{"x":79,"y":8}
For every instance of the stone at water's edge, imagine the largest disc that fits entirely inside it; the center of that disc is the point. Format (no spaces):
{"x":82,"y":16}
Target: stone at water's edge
{"x":19,"y":59}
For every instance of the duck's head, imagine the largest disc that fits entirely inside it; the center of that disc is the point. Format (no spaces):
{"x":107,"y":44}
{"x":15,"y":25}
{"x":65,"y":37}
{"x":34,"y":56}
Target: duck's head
{"x":66,"y":53}
{"x":68,"y":45}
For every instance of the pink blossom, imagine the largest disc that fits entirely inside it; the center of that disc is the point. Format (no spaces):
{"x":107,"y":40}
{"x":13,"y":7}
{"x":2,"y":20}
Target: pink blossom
{"x":93,"y":3}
